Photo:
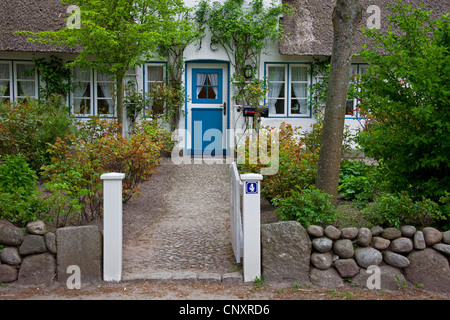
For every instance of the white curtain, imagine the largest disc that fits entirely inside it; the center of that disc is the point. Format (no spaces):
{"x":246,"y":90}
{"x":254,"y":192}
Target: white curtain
{"x":275,"y":74}
{"x":26,"y":84}
{"x":201,"y":77}
{"x":4,"y":80}
{"x":299,"y":84}
{"x":214,"y":81}
{"x":106,"y":84}
{"x":299,"y":90}
{"x":82,"y":89}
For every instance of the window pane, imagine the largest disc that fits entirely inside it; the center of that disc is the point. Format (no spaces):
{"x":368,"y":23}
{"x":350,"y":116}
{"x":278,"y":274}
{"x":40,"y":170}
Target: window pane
{"x":276,"y":90}
{"x":155,"y":73}
{"x":299,"y":90}
{"x":103,"y":76}
{"x":4,"y":89}
{"x":82,"y":106}
{"x":349,"y":110}
{"x":24,"y":72}
{"x":81,"y":75}
{"x":299,"y":74}
{"x":299,"y":106}
{"x":26,"y":88}
{"x":276,"y":74}
{"x":105,"y":106}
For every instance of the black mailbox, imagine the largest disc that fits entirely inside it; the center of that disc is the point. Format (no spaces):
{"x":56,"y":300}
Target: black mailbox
{"x":250,"y":111}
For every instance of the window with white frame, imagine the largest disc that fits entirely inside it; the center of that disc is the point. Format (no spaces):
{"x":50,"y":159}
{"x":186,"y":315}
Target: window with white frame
{"x":288,"y":94}
{"x":92,"y":93}
{"x":356,"y":70}
{"x":26,"y":81}
{"x":82,"y":92}
{"x":5,"y":82}
{"x":155,"y":76}
{"x":105,"y":85}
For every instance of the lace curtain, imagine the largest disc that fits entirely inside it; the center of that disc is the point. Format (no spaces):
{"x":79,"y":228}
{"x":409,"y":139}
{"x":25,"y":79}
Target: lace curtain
{"x":26,"y":83}
{"x":214,"y":81}
{"x":4,"y":80}
{"x":105,"y":87}
{"x":81,"y":91}
{"x":276,"y":81}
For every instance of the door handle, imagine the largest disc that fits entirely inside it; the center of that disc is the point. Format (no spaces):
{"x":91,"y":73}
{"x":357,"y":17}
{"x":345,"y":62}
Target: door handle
{"x":224,"y":108}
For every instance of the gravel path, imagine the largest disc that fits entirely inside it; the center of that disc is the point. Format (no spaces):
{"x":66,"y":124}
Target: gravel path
{"x":181,"y":223}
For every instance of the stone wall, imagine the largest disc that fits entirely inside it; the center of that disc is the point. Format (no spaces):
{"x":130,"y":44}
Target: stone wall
{"x":405,"y":256}
{"x":34,"y":256}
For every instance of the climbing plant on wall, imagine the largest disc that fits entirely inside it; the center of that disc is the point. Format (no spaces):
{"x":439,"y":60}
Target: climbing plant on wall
{"x":243,"y":30}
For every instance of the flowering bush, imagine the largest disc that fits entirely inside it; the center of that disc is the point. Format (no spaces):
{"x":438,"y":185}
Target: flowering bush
{"x":77,"y":165}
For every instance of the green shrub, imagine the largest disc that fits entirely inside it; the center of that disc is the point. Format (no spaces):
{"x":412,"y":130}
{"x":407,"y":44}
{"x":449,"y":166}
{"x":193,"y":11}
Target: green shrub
{"x":20,"y":199}
{"x":297,"y":164}
{"x":307,"y":206}
{"x":26,"y":128}
{"x":406,"y":99}
{"x":77,"y":165}
{"x":358,"y":181}
{"x":395,"y":210}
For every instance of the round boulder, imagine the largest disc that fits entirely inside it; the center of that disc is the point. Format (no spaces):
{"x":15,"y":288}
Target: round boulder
{"x":349,"y":233}
{"x":332,"y":232}
{"x":344,"y":248}
{"x":364,"y":237}
{"x":408,"y":231}
{"x":321,"y":261}
{"x":315,"y":231}
{"x":322,"y":244}
{"x":401,"y":245}
{"x":429,"y":268}
{"x":395,"y":259}
{"x":368,"y":256}
{"x":391,"y":233}
{"x":431,"y":235}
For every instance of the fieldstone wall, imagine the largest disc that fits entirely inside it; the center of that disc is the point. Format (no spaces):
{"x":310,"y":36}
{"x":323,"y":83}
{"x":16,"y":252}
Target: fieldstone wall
{"x":405,"y":256}
{"x":34,"y":256}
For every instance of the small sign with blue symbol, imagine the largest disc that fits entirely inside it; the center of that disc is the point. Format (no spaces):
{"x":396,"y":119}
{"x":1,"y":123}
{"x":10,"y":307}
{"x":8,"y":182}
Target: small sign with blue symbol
{"x":251,"y":187}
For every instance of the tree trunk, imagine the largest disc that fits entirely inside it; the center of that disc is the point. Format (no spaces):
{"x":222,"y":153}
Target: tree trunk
{"x":346,"y":17}
{"x":120,"y":99}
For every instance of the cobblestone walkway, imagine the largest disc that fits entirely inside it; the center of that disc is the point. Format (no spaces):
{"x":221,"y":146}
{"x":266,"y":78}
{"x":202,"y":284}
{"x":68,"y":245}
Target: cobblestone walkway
{"x":192,"y":233}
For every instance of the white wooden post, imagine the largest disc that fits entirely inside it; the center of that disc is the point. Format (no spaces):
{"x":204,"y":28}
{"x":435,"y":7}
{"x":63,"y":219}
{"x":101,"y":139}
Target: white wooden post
{"x":251,"y":226}
{"x":112,"y":226}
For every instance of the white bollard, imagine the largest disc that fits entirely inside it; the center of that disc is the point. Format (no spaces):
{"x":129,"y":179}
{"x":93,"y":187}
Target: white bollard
{"x":251,"y":226}
{"x":112,"y":226}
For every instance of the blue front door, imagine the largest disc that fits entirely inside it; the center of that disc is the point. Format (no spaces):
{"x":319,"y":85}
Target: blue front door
{"x":208,"y":132}
{"x":207,"y":121}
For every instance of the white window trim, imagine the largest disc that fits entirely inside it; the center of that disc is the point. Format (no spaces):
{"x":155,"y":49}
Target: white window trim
{"x":308,"y":91}
{"x":147,"y":80}
{"x":355,"y":100}
{"x":11,"y":85}
{"x":97,"y":98}
{"x":72,"y":98}
{"x":285,"y":81}
{"x":93,"y":80}
{"x":16,"y":80}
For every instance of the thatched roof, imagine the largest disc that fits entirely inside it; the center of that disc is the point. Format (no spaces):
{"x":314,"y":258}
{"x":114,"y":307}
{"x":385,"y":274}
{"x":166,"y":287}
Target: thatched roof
{"x":30,"y":15}
{"x":309,"y":31}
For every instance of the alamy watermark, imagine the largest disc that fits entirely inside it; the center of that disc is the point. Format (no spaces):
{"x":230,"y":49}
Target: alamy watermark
{"x":74,"y":20}
{"x":74,"y":280}
{"x":251,"y":147}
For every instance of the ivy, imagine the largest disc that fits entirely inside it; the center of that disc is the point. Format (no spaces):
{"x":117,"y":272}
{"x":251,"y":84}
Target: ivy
{"x":242,"y":30}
